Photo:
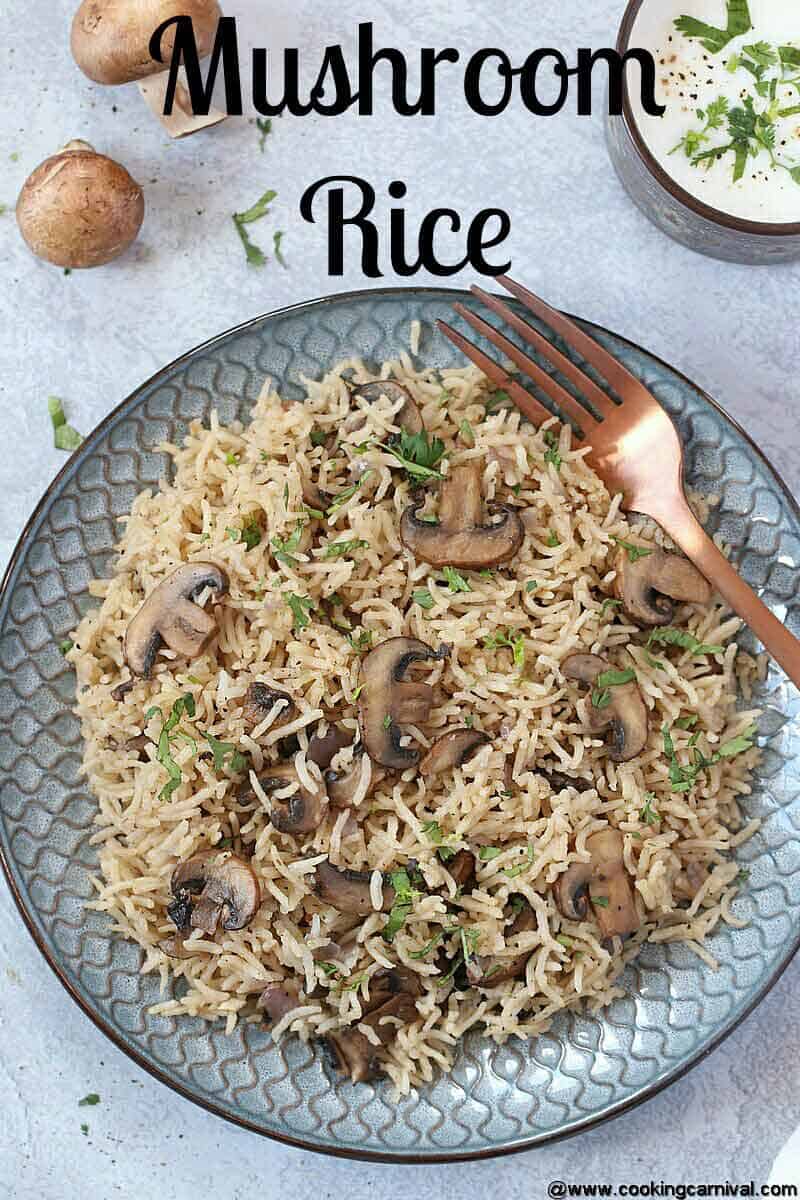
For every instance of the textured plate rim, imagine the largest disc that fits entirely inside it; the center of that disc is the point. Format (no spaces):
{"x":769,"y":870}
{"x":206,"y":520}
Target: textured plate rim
{"x":580,"y":1125}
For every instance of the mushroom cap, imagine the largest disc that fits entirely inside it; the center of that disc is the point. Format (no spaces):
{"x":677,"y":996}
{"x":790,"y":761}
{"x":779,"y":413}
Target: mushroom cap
{"x":168,"y":615}
{"x":388,"y":701}
{"x":110,"y":39}
{"x":227,"y":886}
{"x":408,"y":417}
{"x":648,"y":586}
{"x":625,"y":715}
{"x":348,"y":891}
{"x":80,"y":209}
{"x":452,"y":749}
{"x":461,"y":539}
{"x":260,"y":699}
{"x":301,"y":812}
{"x":619,"y":917}
{"x":570,"y":891}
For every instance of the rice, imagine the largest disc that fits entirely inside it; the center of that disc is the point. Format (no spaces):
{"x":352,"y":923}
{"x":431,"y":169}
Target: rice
{"x":231,"y":481}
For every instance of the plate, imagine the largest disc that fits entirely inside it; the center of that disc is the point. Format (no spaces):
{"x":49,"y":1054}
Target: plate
{"x":498,"y":1099}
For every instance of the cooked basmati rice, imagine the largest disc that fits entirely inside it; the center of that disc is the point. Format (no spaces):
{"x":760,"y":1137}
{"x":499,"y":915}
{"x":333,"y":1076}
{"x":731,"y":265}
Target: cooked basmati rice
{"x":226,"y":478}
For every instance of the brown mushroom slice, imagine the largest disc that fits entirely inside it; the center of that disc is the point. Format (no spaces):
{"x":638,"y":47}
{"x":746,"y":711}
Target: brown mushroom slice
{"x":259,"y":701}
{"x":489,"y":973}
{"x":625,"y":715}
{"x":687,"y":883}
{"x":610,"y":891}
{"x":571,"y":891}
{"x":342,"y":785}
{"x":408,"y":417}
{"x":558,"y":781}
{"x":348,"y":891}
{"x":462,"y":868}
{"x":452,"y":750}
{"x":301,"y":812}
{"x":391,"y":981}
{"x":323,"y":748}
{"x":461,"y":539}
{"x":388,"y":701}
{"x":648,"y":587}
{"x":278,"y":1000}
{"x":354,"y":1054}
{"x":169,"y":616}
{"x":228,"y":891}
{"x":313,"y":497}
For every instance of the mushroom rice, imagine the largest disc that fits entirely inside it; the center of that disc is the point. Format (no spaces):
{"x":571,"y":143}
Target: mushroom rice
{"x":398,"y":727}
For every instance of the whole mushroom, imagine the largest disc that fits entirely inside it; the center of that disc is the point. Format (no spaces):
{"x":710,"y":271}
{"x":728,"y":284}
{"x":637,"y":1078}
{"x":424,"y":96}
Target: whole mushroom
{"x":619,"y":709}
{"x":649,"y":585}
{"x":227,"y":892}
{"x":169,"y":615}
{"x":388,"y":700}
{"x":80,"y":209}
{"x":110,"y":42}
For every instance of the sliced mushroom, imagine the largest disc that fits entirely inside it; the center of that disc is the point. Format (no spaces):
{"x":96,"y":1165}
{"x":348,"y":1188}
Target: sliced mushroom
{"x":278,"y":1000}
{"x":342,"y":784}
{"x":648,"y":586}
{"x":228,"y":892}
{"x":259,"y":701}
{"x":388,"y":701}
{"x":323,"y":748}
{"x":462,"y":868}
{"x":571,"y":891}
{"x":488,"y":973}
{"x":611,"y":892}
{"x":168,"y":615}
{"x":301,"y":812}
{"x":687,"y":883}
{"x":408,"y":417}
{"x":558,"y":781}
{"x":348,"y":891}
{"x":392,"y":1003}
{"x":175,"y":947}
{"x":625,"y":714}
{"x":313,"y":496}
{"x":119,"y":693}
{"x":452,"y":750}
{"x":461,"y":539}
{"x":138,"y":746}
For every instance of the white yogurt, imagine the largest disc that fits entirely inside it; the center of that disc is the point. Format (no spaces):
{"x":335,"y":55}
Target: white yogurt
{"x":691,"y":77}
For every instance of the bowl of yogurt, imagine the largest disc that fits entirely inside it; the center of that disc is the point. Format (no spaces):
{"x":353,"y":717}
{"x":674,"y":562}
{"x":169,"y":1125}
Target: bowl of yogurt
{"x":720,"y":170}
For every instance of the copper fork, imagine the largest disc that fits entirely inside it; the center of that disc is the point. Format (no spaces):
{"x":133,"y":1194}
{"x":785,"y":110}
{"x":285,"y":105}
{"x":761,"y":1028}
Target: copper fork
{"x":635,"y":447}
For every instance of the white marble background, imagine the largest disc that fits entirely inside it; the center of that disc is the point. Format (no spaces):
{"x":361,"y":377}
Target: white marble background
{"x":92,"y":337}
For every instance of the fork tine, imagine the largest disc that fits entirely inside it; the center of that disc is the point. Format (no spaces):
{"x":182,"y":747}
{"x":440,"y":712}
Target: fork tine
{"x":559,"y":395}
{"x":612,"y":370}
{"x":595,"y":395}
{"x":533,"y":410}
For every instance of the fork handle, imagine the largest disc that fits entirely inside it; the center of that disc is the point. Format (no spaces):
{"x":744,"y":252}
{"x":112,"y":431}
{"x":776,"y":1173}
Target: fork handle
{"x":684,"y":529}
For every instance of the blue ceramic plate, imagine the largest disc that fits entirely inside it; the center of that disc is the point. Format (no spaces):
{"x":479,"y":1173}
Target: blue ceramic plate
{"x":498,"y":1099}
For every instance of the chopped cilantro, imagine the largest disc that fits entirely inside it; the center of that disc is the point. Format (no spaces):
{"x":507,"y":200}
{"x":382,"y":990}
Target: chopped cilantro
{"x":404,"y":896}
{"x":284,"y":548}
{"x":467,"y":433}
{"x":341,"y":549}
{"x":552,"y":454}
{"x":516,"y":644}
{"x":223,"y":751}
{"x":684,"y":776}
{"x":231,"y":459}
{"x":742,"y":877}
{"x":565,"y":941}
{"x":455,"y":581}
{"x":600,"y":901}
{"x":601,"y":696}
{"x":251,"y":533}
{"x":319,"y":437}
{"x":531,"y":586}
{"x":423,"y":598}
{"x":85,"y":1129}
{"x":513,"y":872}
{"x":497,"y":399}
{"x":360,"y":642}
{"x":432,"y":944}
{"x":687,"y":722}
{"x":417,"y":455}
{"x":89,"y":1101}
{"x":255,"y":255}
{"x":328,"y":968}
{"x":648,"y":813}
{"x":487,"y":853}
{"x":634,"y":552}
{"x":432,"y":832}
{"x":64,"y":436}
{"x":357,"y":692}
{"x":300,"y":606}
{"x":277,"y":238}
{"x":667,"y":636}
{"x":713,"y":38}
{"x":184,"y":704}
{"x":608,"y":603}
{"x":552,"y":539}
{"x":387,"y":721}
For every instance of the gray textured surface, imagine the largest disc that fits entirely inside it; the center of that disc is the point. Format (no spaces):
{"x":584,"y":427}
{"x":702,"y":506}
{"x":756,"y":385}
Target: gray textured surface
{"x":92,"y":338}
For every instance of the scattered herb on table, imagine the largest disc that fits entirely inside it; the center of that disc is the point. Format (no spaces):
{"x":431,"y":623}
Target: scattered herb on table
{"x":255,"y":255}
{"x":89,"y":1101}
{"x":64,"y":436}
{"x":85,"y":1129}
{"x":277,"y":239}
{"x":264,"y":130}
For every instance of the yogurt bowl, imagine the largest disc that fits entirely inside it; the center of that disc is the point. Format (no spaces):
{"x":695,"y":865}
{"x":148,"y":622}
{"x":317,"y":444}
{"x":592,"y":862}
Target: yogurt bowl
{"x":720,"y":171}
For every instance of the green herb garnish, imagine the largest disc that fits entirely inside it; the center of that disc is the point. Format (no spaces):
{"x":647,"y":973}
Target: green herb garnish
{"x":513,"y":872}
{"x":634,"y":552}
{"x":601,"y":695}
{"x":551,"y":454}
{"x":89,"y":1101}
{"x":360,"y":642}
{"x":648,"y":814}
{"x":487,"y":853}
{"x":687,"y":722}
{"x":667,"y":636}
{"x":684,"y":776}
{"x":608,"y":603}
{"x":433,"y":943}
{"x":284,"y":548}
{"x":251,"y":534}
{"x":223,"y":751}
{"x":713,"y":118}
{"x":255,"y":255}
{"x":342,"y":549}
{"x":600,"y":901}
{"x":467,"y":433}
{"x":65,"y":646}
{"x":712,"y":38}
{"x":497,"y":641}
{"x":64,"y":436}
{"x":552,"y":539}
{"x":264,"y":130}
{"x":417,"y":455}
{"x":496,"y":400}
{"x":184,"y":704}
{"x":346,"y":494}
{"x":404,"y":896}
{"x":455,"y":581}
{"x":423,"y":598}
{"x":300,"y":606}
